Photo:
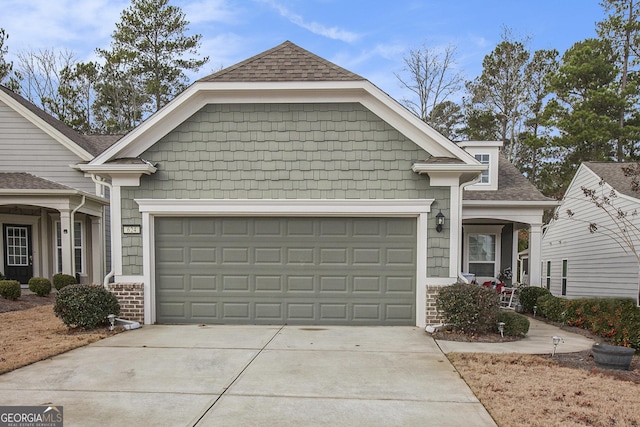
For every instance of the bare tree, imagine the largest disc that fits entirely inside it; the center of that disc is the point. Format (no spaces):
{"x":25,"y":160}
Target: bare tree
{"x":430,"y":74}
{"x":41,"y":74}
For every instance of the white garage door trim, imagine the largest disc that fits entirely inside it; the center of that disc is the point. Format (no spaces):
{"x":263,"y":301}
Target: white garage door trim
{"x":417,"y":208}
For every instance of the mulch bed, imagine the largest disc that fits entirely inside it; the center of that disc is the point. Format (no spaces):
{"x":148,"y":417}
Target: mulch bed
{"x":26,"y":301}
{"x":579,"y":360}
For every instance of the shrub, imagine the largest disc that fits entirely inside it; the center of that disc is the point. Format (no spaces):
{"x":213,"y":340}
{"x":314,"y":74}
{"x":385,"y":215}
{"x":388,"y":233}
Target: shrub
{"x":528,"y":297}
{"x":469,"y":308}
{"x":10,"y":289}
{"x":85,"y":306}
{"x":61,"y":280}
{"x":40,"y":286}
{"x":552,"y":307}
{"x":617,"y":319}
{"x":515,"y":325}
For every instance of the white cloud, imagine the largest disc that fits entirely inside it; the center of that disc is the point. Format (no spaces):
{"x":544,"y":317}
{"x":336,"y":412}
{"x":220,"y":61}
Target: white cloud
{"x":203,"y":11}
{"x":334,"y":33}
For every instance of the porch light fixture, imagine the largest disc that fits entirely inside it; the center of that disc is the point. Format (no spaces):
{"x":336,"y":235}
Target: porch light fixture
{"x":439,"y":221}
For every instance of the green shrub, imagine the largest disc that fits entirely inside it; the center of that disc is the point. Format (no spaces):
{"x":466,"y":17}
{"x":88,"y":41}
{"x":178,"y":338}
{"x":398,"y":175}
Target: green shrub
{"x":61,"y":280}
{"x":10,"y":289}
{"x":515,"y":325}
{"x":552,"y":307}
{"x":40,"y":286}
{"x":85,"y":306}
{"x":528,"y":297}
{"x":469,"y":308}
{"x":617,"y":319}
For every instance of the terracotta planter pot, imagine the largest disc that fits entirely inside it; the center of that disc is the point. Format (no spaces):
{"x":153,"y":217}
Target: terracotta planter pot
{"x":612,"y":356}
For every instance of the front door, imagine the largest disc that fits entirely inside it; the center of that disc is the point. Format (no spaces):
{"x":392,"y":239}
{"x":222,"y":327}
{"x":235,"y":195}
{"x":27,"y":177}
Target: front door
{"x":18,"y":260}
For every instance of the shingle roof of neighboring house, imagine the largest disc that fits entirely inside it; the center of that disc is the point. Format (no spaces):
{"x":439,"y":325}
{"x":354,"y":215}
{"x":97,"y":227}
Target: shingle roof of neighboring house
{"x":613,"y":175}
{"x":93,"y":144}
{"x":26,"y":181}
{"x":512,"y":185}
{"x":275,"y":65}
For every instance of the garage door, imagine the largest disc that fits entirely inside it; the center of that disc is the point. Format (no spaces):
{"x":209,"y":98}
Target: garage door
{"x":352,"y":271}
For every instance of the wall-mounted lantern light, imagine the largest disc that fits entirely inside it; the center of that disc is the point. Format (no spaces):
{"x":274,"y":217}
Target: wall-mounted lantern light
{"x":439,"y":221}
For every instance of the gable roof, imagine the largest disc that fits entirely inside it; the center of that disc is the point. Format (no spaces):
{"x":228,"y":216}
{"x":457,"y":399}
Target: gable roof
{"x":512,"y":186}
{"x":612,"y":174}
{"x":285,"y":62}
{"x":90,"y":144}
{"x":283,"y":74}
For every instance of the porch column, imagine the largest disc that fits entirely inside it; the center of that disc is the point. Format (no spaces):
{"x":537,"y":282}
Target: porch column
{"x":97,"y":243}
{"x":535,"y":254}
{"x":66,"y":242}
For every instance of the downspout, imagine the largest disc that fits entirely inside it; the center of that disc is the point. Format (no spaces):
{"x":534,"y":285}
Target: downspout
{"x":73,"y":234}
{"x":111,"y":273}
{"x":462,"y":187}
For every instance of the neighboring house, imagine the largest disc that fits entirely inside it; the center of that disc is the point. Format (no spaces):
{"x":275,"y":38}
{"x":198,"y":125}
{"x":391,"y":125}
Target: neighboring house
{"x":51,"y":213}
{"x":286,"y":189}
{"x":578,"y":263}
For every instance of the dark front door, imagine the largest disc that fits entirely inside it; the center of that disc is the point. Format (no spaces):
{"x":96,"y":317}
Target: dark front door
{"x":18,"y":261}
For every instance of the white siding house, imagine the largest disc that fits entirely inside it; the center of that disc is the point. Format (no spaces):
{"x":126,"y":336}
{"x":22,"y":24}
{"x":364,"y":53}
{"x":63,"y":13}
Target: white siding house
{"x":579,"y":263}
{"x":52,"y":215}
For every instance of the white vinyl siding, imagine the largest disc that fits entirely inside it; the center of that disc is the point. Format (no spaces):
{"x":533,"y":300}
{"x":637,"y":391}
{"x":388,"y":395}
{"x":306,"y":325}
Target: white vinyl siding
{"x":26,"y":148}
{"x":599,"y":265}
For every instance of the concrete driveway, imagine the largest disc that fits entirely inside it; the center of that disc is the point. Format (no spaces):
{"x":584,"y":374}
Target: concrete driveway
{"x":252,"y":375}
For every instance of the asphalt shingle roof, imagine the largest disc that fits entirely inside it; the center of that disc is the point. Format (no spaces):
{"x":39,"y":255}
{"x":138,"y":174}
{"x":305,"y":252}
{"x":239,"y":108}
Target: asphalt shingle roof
{"x":26,"y":181}
{"x":93,"y":144}
{"x":285,"y":62}
{"x":512,"y":185}
{"x":613,"y":175}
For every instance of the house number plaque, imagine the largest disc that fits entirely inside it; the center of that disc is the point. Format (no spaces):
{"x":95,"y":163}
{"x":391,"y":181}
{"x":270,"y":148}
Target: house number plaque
{"x":130,"y":229}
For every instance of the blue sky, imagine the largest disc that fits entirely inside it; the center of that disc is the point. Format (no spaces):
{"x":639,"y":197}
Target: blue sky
{"x":368,"y":37}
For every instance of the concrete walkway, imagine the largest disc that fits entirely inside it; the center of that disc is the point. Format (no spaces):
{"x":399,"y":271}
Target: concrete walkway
{"x":252,"y":376}
{"x":538,"y":341}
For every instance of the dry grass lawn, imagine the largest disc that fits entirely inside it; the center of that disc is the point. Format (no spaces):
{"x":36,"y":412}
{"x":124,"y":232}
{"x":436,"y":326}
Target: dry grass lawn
{"x":526,"y":390}
{"x":34,"y":334}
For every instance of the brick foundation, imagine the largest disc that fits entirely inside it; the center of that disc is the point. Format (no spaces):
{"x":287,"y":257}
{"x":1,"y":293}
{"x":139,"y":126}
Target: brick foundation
{"x":131,"y":299}
{"x":434,"y":316}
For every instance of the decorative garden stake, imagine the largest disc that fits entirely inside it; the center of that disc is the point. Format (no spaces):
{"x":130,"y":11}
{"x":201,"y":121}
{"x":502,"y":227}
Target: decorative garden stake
{"x":556,"y":341}
{"x":501,"y":329}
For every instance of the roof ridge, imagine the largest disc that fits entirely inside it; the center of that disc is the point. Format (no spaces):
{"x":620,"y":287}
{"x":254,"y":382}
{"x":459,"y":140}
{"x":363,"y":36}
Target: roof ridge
{"x":297,"y":65}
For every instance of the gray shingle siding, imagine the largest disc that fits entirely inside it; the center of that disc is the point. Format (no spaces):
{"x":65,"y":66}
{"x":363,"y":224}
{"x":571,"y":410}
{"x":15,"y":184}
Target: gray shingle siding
{"x":283,"y":151}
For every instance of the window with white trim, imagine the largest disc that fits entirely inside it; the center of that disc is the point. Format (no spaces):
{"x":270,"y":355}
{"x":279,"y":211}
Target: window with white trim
{"x":78,"y":246}
{"x":485,"y":160}
{"x":482,"y":254}
{"x":565,"y":267}
{"x":549,"y":275}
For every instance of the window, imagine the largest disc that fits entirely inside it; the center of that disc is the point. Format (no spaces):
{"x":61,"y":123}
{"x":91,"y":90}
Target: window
{"x":78,"y":247}
{"x":549,"y":275}
{"x":564,"y":276}
{"x":482,"y":254}
{"x":17,"y":246}
{"x":484,"y":159}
